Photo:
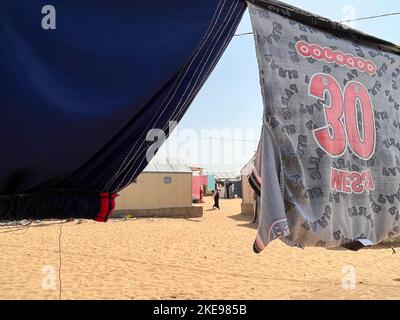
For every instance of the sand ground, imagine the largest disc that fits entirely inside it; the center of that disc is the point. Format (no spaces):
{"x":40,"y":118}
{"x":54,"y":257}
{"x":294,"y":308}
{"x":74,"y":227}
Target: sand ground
{"x":203,"y":258}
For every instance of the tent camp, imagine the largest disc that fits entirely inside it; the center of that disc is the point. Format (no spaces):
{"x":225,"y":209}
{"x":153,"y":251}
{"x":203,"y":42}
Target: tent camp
{"x":84,"y":109}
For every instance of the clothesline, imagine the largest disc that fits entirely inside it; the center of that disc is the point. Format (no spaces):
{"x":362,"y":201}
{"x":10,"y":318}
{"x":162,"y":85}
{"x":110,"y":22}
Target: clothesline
{"x":213,"y":138}
{"x":342,"y":21}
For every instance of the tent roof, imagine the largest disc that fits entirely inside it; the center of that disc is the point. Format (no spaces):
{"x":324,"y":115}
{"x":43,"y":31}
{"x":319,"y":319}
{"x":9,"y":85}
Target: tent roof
{"x":167,"y":165}
{"x":247,"y":167}
{"x":223,"y":174}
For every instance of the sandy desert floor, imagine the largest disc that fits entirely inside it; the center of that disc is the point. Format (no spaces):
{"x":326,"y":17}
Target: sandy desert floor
{"x":203,"y":258}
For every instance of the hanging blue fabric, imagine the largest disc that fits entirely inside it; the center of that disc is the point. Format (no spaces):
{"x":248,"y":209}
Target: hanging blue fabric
{"x":79,"y":95}
{"x":211,"y":182}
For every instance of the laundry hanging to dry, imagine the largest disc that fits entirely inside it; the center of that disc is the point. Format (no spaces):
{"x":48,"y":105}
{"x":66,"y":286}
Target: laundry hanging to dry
{"x":328,"y":163}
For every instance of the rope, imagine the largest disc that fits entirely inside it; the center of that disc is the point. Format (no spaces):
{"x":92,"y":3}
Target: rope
{"x":342,"y":21}
{"x":393,"y":250}
{"x":372,"y":17}
{"x":213,"y":138}
{"x":16,"y":226}
{"x":60,"y":263}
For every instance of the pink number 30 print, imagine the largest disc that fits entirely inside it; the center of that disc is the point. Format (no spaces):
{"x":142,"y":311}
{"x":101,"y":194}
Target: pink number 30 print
{"x":341,"y":117}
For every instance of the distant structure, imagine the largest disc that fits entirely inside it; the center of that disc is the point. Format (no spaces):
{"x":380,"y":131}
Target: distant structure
{"x":163,"y":189}
{"x":229,"y":183}
{"x":199,"y":182}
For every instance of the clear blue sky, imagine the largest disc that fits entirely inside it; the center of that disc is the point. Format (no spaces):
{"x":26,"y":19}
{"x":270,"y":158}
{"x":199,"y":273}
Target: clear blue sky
{"x":231,"y":97}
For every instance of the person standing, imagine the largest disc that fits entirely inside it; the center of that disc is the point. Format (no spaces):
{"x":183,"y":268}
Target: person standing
{"x":201,"y":194}
{"x":216,"y":199}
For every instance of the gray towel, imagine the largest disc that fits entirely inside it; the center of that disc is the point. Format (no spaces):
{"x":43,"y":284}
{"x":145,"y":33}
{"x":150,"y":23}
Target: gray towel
{"x":328,"y":162}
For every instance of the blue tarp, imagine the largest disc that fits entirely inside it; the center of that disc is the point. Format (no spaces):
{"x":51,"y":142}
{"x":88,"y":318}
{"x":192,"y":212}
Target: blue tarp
{"x":211,"y":182}
{"x":77,"y":101}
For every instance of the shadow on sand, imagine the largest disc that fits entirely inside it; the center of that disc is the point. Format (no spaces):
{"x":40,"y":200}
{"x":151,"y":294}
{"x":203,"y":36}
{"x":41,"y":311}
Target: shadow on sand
{"x":386,"y":245}
{"x":244,"y":218}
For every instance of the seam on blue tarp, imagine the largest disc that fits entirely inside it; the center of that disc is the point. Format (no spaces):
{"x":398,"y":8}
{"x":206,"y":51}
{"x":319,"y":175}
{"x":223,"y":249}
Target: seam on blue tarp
{"x":174,"y":86}
{"x":179,"y":111}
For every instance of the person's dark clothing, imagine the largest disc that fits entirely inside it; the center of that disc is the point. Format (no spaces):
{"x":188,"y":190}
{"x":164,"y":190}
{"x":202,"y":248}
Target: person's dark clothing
{"x":216,"y":199}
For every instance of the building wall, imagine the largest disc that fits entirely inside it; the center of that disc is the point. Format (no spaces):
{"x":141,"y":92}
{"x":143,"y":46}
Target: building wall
{"x":248,"y":201}
{"x":151,"y":192}
{"x":247,"y":191}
